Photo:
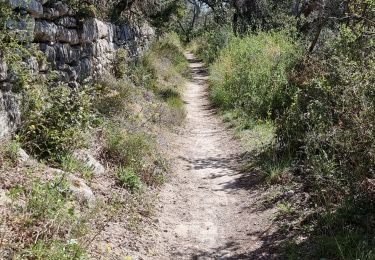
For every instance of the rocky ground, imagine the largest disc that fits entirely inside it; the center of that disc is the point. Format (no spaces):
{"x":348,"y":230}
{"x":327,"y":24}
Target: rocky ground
{"x":209,"y":209}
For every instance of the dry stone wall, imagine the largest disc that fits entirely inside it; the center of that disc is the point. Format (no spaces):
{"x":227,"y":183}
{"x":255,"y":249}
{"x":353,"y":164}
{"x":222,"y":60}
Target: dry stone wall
{"x":79,"y":49}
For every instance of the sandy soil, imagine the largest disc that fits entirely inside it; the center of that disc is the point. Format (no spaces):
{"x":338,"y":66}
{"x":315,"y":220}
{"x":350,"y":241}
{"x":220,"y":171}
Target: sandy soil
{"x":209,"y":209}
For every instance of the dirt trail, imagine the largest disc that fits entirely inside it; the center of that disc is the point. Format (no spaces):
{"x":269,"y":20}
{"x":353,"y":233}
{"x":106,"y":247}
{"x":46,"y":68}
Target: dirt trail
{"x":209,"y":210}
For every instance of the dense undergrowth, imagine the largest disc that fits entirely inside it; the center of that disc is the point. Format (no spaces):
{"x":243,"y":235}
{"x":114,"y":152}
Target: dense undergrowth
{"x":312,"y":114}
{"x":118,"y":120}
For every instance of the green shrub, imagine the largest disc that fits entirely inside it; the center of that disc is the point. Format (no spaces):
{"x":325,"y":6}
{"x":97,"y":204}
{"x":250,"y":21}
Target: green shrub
{"x":9,"y":152}
{"x":172,"y":97}
{"x":175,"y":102}
{"x":49,"y":200}
{"x":120,"y":63}
{"x":329,"y":131}
{"x":112,"y":96}
{"x":127,"y":149}
{"x":141,"y":71}
{"x":251,"y":74}
{"x":54,"y":120}
{"x":87,"y":11}
{"x":329,"y":123}
{"x":128,"y":178}
{"x":169,"y":47}
{"x":54,"y":250}
{"x":167,"y":56}
{"x":208,"y":46}
{"x":48,"y":204}
{"x":70,"y":163}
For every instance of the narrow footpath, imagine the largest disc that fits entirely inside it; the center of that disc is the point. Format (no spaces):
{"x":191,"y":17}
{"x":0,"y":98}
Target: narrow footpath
{"x":209,"y":209}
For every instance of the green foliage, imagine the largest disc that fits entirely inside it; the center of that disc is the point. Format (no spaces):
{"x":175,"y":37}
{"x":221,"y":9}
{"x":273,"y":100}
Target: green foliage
{"x":175,"y":102}
{"x":127,"y":149}
{"x":172,"y":97}
{"x":9,"y":153}
{"x":162,"y":65}
{"x":346,"y":233}
{"x":70,"y":163}
{"x":251,"y":74}
{"x":49,"y":204}
{"x":128,"y":178}
{"x":285,"y":209}
{"x":330,"y":119}
{"x":169,"y":47}
{"x":163,"y":69}
{"x":120,"y":63}
{"x":15,"y":47}
{"x":84,"y":10}
{"x":48,"y":200}
{"x":87,"y":11}
{"x":142,"y":72}
{"x":208,"y":46}
{"x":112,"y":96}
{"x":162,"y":17}
{"x":54,"y":120}
{"x":54,"y":250}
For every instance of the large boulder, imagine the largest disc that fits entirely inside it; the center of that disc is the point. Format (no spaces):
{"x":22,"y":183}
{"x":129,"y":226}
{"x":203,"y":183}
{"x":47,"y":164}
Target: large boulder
{"x":56,"y":10}
{"x":94,"y":29}
{"x":22,"y":155}
{"x":33,"y":7}
{"x":45,"y":31}
{"x":89,"y":160}
{"x":22,"y":29}
{"x":65,"y":53}
{"x":10,"y":117}
{"x":67,"y":35}
{"x":77,"y":186}
{"x":3,"y":70}
{"x":68,"y":22}
{"x":86,"y":68}
{"x":4,"y":199}
{"x":80,"y":190}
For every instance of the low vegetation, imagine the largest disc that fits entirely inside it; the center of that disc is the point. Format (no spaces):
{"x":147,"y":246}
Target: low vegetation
{"x":251,"y":74}
{"x":54,"y":120}
{"x":307,"y":102}
{"x":294,"y":78}
{"x":117,"y":119}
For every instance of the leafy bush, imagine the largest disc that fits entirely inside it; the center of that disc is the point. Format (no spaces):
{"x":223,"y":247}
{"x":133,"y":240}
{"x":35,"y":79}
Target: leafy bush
{"x":9,"y":153}
{"x":127,"y":149}
{"x":49,"y":204}
{"x":330,"y":122}
{"x":165,"y":59}
{"x":172,"y":97}
{"x":251,"y":74}
{"x":54,"y":120}
{"x":54,"y":250}
{"x":329,"y":131}
{"x":163,"y":69}
{"x":163,"y":63}
{"x":112,"y":96}
{"x":70,"y":163}
{"x":208,"y":46}
{"x":48,"y":200}
{"x":120,"y":63}
{"x":87,"y":11}
{"x":128,"y":178}
{"x":169,"y":47}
